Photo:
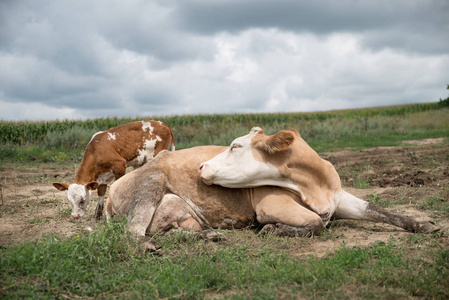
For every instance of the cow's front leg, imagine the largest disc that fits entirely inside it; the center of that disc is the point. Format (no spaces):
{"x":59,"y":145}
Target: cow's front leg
{"x":284,"y":215}
{"x":119,"y":167}
{"x":101,"y":195}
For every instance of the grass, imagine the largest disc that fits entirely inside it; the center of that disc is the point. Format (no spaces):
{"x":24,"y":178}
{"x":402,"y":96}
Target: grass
{"x":108,"y":264}
{"x":359,"y":182}
{"x":439,"y":203}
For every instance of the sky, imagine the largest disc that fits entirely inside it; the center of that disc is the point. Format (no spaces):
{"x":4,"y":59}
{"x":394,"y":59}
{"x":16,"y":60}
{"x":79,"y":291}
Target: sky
{"x":109,"y":58}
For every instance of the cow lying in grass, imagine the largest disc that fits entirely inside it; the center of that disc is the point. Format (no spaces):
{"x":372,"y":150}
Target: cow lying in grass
{"x":107,"y":156}
{"x":168,"y":192}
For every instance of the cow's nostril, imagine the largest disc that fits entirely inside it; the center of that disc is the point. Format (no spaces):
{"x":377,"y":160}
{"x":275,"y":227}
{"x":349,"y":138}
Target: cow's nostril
{"x":200,"y":168}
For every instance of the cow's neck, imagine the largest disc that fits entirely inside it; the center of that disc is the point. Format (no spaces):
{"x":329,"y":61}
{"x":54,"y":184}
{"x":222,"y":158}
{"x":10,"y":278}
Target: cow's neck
{"x":316,"y":179}
{"x":86,"y":171}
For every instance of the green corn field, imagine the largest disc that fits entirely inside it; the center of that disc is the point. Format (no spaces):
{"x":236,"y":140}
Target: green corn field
{"x":322,"y":130}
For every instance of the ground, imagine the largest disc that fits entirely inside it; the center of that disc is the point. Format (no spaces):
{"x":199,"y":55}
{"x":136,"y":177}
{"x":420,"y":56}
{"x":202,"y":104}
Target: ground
{"x":411,"y":179}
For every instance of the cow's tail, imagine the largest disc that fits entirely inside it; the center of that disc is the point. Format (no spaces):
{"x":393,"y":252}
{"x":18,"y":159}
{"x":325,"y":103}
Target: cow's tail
{"x":172,"y":141}
{"x":351,"y":207}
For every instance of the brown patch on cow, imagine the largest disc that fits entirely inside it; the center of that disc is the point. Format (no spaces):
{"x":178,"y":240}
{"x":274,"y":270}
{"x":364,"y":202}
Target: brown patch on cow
{"x":280,"y":141}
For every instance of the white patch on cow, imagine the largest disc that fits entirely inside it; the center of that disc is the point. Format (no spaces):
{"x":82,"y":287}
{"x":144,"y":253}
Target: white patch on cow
{"x":106,"y":177}
{"x":349,"y":206}
{"x":111,"y":136}
{"x":147,"y":126}
{"x":95,"y":135}
{"x":237,"y":168}
{"x":147,"y":152}
{"x":158,"y":138}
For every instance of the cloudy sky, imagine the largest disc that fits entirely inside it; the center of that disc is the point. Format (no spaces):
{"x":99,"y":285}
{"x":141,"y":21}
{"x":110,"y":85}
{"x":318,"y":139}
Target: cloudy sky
{"x":87,"y":59}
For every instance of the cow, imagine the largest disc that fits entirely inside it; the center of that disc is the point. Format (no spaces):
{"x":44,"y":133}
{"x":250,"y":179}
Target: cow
{"x":169,"y":192}
{"x":107,"y":156}
{"x":286,"y":160}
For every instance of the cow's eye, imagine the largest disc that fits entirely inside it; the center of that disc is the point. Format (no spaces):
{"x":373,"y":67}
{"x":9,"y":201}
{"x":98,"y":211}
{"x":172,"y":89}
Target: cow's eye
{"x":234,"y":146}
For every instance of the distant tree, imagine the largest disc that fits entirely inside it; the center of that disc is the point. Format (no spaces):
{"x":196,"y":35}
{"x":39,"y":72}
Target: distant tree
{"x":445,"y":102}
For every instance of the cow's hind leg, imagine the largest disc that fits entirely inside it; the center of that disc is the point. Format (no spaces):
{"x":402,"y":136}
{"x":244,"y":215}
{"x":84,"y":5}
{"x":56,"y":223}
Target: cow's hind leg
{"x":174,"y":213}
{"x":137,"y":199}
{"x":351,"y":207}
{"x":283,"y":215}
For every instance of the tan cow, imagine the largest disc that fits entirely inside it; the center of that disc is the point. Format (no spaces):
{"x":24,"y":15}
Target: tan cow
{"x":168,"y":192}
{"x":286,"y":160}
{"x":107,"y":156}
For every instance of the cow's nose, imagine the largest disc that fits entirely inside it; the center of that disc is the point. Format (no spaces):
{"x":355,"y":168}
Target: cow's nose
{"x":75,"y":216}
{"x":206,"y":176}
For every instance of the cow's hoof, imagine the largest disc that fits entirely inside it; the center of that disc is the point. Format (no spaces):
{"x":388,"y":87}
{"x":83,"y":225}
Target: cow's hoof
{"x":286,"y":230}
{"x":268,"y":229}
{"x":428,"y":227}
{"x":149,"y":245}
{"x":211,"y":235}
{"x":291,"y":231}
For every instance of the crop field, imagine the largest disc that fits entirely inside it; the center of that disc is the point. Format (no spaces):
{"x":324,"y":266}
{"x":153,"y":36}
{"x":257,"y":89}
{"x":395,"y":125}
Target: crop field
{"x":397,"y":157}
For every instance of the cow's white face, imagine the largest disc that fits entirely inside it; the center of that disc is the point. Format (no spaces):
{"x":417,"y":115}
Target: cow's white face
{"x":242,"y":166}
{"x":78,"y":196}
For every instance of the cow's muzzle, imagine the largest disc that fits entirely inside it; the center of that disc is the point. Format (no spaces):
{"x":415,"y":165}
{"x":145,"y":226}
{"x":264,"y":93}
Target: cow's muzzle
{"x":206,"y":176}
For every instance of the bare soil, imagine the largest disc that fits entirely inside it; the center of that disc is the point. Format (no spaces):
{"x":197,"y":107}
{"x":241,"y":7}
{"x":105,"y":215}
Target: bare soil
{"x":406,"y":178}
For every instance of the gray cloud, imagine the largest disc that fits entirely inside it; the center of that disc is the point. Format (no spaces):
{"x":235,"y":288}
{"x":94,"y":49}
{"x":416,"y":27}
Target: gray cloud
{"x":399,"y":24}
{"x":85,"y":59}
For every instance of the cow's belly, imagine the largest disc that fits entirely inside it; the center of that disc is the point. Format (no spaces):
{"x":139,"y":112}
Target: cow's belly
{"x":106,"y":177}
{"x":225,"y":208}
{"x":173,"y":212}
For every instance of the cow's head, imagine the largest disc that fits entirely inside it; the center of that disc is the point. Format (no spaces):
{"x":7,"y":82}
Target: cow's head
{"x":78,"y":196}
{"x":252,"y":160}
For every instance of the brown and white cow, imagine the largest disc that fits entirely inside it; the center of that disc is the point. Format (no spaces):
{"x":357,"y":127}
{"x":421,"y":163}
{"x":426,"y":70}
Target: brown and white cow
{"x":168,"y":191}
{"x":107,"y":156}
{"x":286,"y":160}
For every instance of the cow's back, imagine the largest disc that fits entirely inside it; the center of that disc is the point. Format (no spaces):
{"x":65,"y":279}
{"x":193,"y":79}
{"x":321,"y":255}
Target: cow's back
{"x":222,"y":207}
{"x":130,"y":140}
{"x":216,"y":206}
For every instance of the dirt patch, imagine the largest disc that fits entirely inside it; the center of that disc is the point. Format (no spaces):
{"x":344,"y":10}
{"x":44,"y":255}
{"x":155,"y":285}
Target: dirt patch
{"x":425,"y":141}
{"x":405,"y":177}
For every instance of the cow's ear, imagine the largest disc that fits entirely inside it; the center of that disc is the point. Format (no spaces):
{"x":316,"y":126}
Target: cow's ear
{"x":280,"y":141}
{"x":92,"y":185}
{"x":61,"y":185}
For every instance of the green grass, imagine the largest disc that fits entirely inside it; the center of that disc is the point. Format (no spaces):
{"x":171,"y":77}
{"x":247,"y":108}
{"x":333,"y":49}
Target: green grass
{"x":436,"y":204}
{"x":108,"y":264}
